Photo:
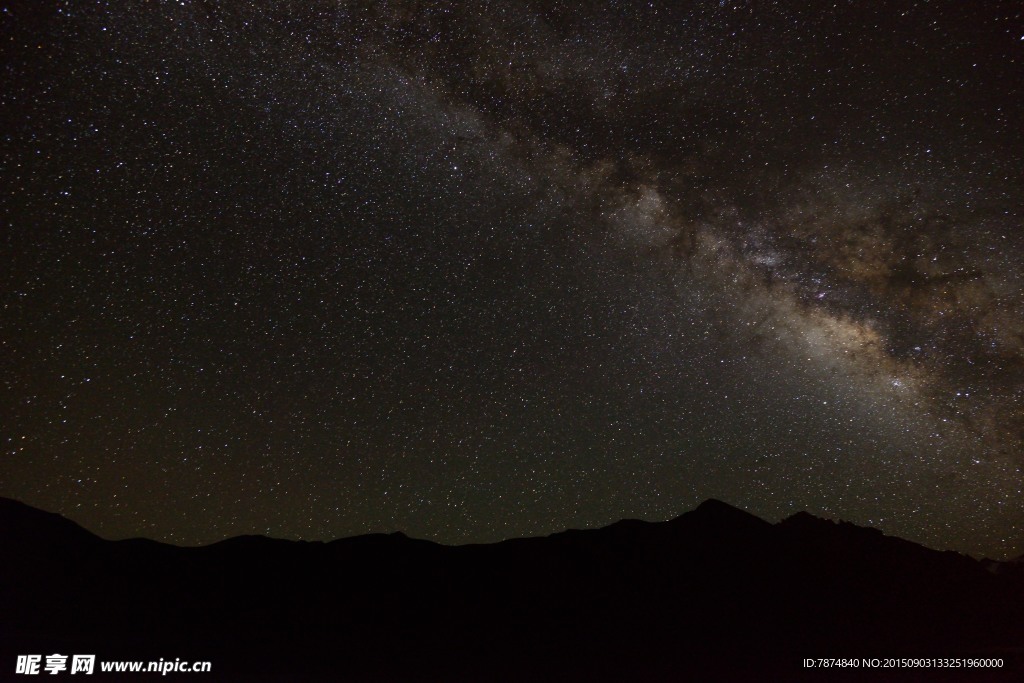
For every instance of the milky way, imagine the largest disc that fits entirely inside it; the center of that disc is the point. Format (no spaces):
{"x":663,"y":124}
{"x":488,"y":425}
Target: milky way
{"x":316,"y":269}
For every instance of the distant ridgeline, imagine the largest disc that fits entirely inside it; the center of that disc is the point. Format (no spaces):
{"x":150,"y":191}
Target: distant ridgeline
{"x":715,"y":593}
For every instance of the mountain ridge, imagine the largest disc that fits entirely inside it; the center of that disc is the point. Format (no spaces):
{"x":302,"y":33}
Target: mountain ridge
{"x":714,"y":589}
{"x":714,"y":508}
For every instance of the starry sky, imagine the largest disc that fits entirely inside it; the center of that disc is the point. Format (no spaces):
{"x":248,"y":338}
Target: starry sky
{"x":483,"y":270}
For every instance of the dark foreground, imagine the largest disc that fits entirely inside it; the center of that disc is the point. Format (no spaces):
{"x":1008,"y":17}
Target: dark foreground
{"x":716,"y":594}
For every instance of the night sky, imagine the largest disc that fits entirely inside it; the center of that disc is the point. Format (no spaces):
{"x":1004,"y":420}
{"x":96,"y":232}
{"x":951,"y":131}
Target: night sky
{"x":483,"y":270}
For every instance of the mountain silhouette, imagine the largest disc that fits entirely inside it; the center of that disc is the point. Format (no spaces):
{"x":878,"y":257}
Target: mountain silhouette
{"x":715,"y":594}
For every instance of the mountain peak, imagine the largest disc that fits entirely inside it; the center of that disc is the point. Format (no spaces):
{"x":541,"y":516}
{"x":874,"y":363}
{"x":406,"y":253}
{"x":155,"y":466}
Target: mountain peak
{"x":712,"y":508}
{"x":716,"y":517}
{"x":803,"y":518}
{"x":716,"y":506}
